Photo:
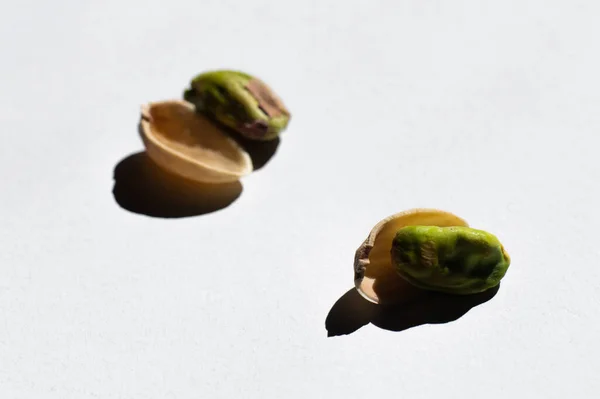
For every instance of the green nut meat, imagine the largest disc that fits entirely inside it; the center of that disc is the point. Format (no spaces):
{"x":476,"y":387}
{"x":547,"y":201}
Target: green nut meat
{"x":240,"y":102}
{"x":456,"y":260}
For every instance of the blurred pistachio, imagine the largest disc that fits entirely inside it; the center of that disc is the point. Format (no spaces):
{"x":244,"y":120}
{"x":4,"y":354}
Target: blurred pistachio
{"x":240,"y":102}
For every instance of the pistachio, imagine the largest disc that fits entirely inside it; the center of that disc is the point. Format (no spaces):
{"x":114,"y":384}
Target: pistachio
{"x":240,"y":102}
{"x":190,"y":145}
{"x":386,"y":265}
{"x":456,"y":260}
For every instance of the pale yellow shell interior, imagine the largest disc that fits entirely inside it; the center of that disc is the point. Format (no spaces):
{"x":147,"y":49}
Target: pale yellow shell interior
{"x":188,"y":144}
{"x":381,"y":283}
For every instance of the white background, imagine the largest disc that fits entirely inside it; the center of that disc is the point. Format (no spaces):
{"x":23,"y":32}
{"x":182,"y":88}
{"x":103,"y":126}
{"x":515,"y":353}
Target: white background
{"x":488,"y":109}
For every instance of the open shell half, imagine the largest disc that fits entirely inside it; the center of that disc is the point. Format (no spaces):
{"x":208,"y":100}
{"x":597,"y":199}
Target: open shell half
{"x":374,"y":275}
{"x":188,"y":144}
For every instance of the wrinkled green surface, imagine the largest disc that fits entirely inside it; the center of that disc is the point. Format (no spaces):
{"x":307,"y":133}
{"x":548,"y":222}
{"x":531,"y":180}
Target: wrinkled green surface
{"x":222,"y":96}
{"x":458,"y":260}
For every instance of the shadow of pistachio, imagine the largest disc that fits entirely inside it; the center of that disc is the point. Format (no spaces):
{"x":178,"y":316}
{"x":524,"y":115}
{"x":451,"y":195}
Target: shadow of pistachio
{"x":351,"y":311}
{"x":141,"y":186}
{"x":260,"y":152}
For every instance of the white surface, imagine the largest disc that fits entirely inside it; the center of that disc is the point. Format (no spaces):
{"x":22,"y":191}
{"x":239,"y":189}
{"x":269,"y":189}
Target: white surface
{"x":488,"y":109}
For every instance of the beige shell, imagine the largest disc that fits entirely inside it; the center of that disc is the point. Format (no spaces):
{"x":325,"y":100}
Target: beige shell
{"x":374,"y":275}
{"x":186,"y":143}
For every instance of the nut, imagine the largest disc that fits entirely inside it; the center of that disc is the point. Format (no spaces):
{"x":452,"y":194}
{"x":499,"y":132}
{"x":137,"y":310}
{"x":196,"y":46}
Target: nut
{"x":190,"y":145}
{"x":378,"y":279}
{"x":455,"y":260}
{"x":240,"y":102}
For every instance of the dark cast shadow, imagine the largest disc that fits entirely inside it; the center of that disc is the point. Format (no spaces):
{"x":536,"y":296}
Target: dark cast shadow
{"x":142,"y":187}
{"x":260,"y":152}
{"x":351,"y":311}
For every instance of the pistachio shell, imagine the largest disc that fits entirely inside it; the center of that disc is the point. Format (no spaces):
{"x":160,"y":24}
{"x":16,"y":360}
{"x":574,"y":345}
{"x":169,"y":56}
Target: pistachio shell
{"x":375,"y":277}
{"x":454,"y":260}
{"x":190,"y":145}
{"x":241,"y":102}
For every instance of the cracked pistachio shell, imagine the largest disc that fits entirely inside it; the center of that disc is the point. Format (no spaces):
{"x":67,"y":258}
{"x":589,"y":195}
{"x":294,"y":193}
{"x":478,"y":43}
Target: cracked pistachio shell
{"x":240,"y":102}
{"x":456,"y":260}
{"x":190,"y":145}
{"x":375,"y":277}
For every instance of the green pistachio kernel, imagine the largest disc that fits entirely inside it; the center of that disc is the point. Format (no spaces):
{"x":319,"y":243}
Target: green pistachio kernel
{"x":457,"y":260}
{"x":240,"y":102}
